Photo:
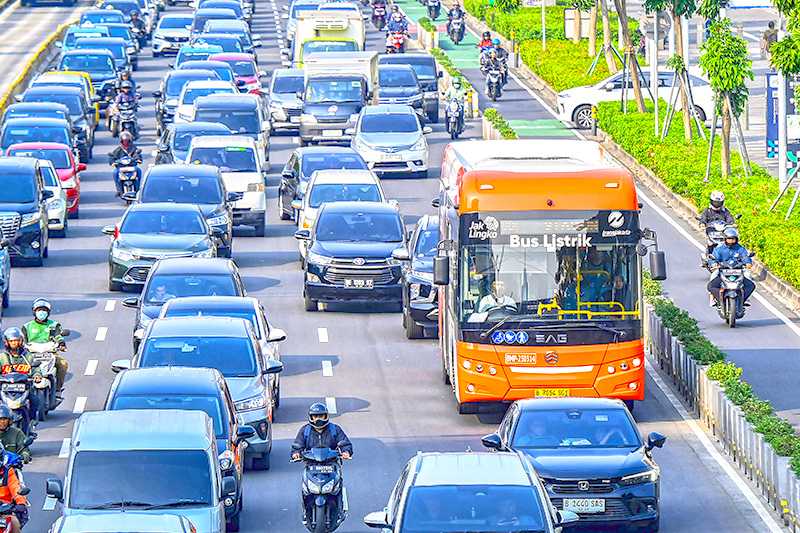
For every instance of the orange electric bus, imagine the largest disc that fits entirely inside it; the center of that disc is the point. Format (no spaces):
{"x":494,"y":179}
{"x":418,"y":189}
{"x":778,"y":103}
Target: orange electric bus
{"x":539,"y":270}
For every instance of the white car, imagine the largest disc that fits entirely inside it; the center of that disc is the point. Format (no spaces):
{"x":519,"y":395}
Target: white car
{"x":195,"y":89}
{"x":57,"y":205}
{"x":171,"y":33}
{"x":391,"y":139}
{"x":327,"y":186}
{"x":575,"y":105}
{"x":240,"y":165}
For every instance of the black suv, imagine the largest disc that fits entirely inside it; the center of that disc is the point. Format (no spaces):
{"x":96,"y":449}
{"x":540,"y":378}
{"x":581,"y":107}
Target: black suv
{"x":419,"y":293}
{"x":427,"y":74}
{"x":23,"y":209}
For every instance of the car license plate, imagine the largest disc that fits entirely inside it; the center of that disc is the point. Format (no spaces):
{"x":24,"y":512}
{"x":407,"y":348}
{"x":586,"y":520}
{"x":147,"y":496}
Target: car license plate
{"x":294,"y":120}
{"x":585,"y":505}
{"x":358,"y":283}
{"x":392,"y":157}
{"x":331,"y":133}
{"x":550,"y":393}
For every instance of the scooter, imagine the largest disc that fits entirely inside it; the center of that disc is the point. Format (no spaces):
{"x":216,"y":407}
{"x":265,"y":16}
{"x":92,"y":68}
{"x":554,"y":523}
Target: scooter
{"x":494,"y":84}
{"x":456,"y":31}
{"x":731,"y":305}
{"x":46,"y":389}
{"x":455,"y":118}
{"x":434,"y":8}
{"x":379,"y":16}
{"x":324,"y":496}
{"x":395,"y":43}
{"x":128,"y":177}
{"x":15,"y":390}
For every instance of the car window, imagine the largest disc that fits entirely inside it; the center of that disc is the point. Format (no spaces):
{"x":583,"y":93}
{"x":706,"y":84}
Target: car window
{"x":247,"y":314}
{"x":164,"y":287}
{"x":182,"y":190}
{"x":50,"y":177}
{"x":396,"y":77}
{"x":190,"y":95}
{"x":390,"y":123}
{"x":338,"y":192}
{"x":359,"y":227}
{"x":239,"y":358}
{"x":59,"y":158}
{"x":288,"y":84}
{"x":20,"y":134}
{"x":426,"y":243}
{"x":174,"y":23}
{"x":208,"y":404}
{"x":575,"y":428}
{"x":175,"y":83}
{"x":239,"y":121}
{"x":169,"y":223}
{"x":397,"y":495}
{"x":73,"y":102}
{"x":88,"y":63}
{"x":182,"y":138}
{"x":314,"y":162}
{"x":228,"y":159}
{"x":315,"y":47}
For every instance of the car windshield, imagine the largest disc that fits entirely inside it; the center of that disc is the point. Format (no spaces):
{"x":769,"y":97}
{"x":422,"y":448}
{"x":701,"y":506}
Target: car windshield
{"x":185,"y":54}
{"x":424,"y":68}
{"x":247,"y":314}
{"x":50,"y":177}
{"x":396,"y":77}
{"x":117,"y":50}
{"x":232,"y":356}
{"x":575,"y":428}
{"x":125,"y":7}
{"x":167,"y":286}
{"x":161,"y":222}
{"x":390,"y":123}
{"x":313,"y":162}
{"x":297,"y":8}
{"x":183,"y":138}
{"x":182,"y":190}
{"x":121,"y":32}
{"x":333,"y":91}
{"x":288,"y":84}
{"x":41,"y":113}
{"x":100,"y":18}
{"x":359,"y":227}
{"x":210,"y":405}
{"x":315,"y":47}
{"x":59,"y":158}
{"x":183,"y":476}
{"x":227,"y":44}
{"x":16,"y":189}
{"x":228,"y":159}
{"x":174,"y":23}
{"x":244,"y":121}
{"x":243,"y":68}
{"x":473,"y":509}
{"x":176,"y":82}
{"x":71,"y":101}
{"x":88,"y":63}
{"x":338,"y":192}
{"x":190,"y":95}
{"x":72,"y":37}
{"x":21,"y":134}
{"x":427,"y":243}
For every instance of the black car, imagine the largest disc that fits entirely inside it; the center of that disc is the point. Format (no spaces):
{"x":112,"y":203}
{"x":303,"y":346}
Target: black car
{"x":239,"y":28}
{"x":123,"y":31}
{"x":427,"y":74}
{"x":178,"y":277}
{"x":173,"y":146}
{"x":305,"y":161}
{"x":399,"y":85}
{"x":100,"y":66}
{"x":81,"y":114}
{"x":200,"y":185}
{"x":189,"y":389}
{"x":23,"y":209}
{"x":167,"y":95}
{"x":115,"y":45}
{"x":419,"y":293}
{"x":349,"y":255}
{"x":23,"y":130}
{"x":590,"y":456}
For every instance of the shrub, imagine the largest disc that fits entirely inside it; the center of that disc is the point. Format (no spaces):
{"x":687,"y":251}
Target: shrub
{"x":500,"y":123}
{"x":426,"y":24}
{"x":444,"y":61}
{"x":563,"y":64}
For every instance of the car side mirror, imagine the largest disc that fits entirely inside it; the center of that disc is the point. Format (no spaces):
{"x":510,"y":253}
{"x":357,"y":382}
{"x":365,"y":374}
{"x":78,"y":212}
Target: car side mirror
{"x":566,"y":517}
{"x":81,"y":167}
{"x":228,"y":487}
{"x":119,"y":365}
{"x":287,"y":174}
{"x":276,"y":335}
{"x":257,"y":43}
{"x":655,"y":440}
{"x":162,"y":147}
{"x":58,"y":44}
{"x":302,"y":234}
{"x":47,"y":194}
{"x":262,"y":74}
{"x":436,"y":202}
{"x":132,"y":302}
{"x":298,"y":95}
{"x":440,"y":74}
{"x":24,"y":491}
{"x":378,"y":519}
{"x":350,"y":131}
{"x":273,"y":367}
{"x":240,"y":83}
{"x":441,"y":270}
{"x":109,"y":230}
{"x":427,"y":129}
{"x":244,"y":433}
{"x":18,"y":98}
{"x":492,"y":441}
{"x":55,"y":489}
{"x":234,"y":196}
{"x":658,"y":265}
{"x":401,"y":254}
{"x":5,"y":243}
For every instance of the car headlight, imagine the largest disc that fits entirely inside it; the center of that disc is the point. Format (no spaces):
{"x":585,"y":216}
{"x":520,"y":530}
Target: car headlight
{"x":186,"y":115}
{"x":209,"y":252}
{"x":30,"y":218}
{"x":420,"y":144}
{"x":251,"y":404}
{"x":226,"y":460}
{"x":359,"y":144}
{"x":220,"y":220}
{"x":122,"y":255}
{"x":171,"y":102}
{"x":649,"y":476}
{"x":69,"y":183}
{"x":318,"y":259}
{"x":55,"y":203}
{"x":131,"y":49}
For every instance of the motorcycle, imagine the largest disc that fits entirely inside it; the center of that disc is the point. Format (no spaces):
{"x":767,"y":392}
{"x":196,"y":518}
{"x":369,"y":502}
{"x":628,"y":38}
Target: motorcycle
{"x":456,"y":30}
{"x":395,"y":42}
{"x":125,"y":120}
{"x":15,"y":390}
{"x":128,"y":177}
{"x":455,"y":118}
{"x":714,"y":237}
{"x":323,"y":490}
{"x":7,"y":511}
{"x":379,"y":16}
{"x":46,"y":389}
{"x":434,"y":8}
{"x":494,"y":84}
{"x":731,"y":304}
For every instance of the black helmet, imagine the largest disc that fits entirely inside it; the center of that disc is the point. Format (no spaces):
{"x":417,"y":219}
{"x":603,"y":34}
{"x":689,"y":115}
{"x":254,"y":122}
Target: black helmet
{"x":134,"y":14}
{"x":318,"y":410}
{"x":13,"y":334}
{"x":487,"y":35}
{"x":5,"y":412}
{"x":126,"y":85}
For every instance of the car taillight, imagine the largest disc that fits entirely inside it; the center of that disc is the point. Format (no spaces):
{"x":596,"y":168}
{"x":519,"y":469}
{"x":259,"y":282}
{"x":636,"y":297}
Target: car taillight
{"x":69,"y":183}
{"x":116,"y":232}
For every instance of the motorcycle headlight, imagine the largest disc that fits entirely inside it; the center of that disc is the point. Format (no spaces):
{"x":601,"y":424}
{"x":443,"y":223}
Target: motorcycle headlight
{"x":649,"y":476}
{"x":220,"y":220}
{"x":14,"y":404}
{"x":209,"y":252}
{"x":420,"y":144}
{"x":328,"y":487}
{"x":37,"y":378}
{"x":226,"y":460}
{"x":30,"y":218}
{"x":121,"y":254}
{"x":318,"y":259}
{"x":251,"y":404}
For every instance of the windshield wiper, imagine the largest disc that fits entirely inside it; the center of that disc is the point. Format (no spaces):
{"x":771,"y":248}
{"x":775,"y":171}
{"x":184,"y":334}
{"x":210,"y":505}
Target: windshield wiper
{"x":583,"y":324}
{"x":503,"y":321}
{"x":178,"y":503}
{"x":122,"y":503}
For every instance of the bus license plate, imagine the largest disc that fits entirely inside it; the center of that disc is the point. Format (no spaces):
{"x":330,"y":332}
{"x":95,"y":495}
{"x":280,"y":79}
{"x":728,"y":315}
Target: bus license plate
{"x":550,"y":393}
{"x":585,"y":505}
{"x":520,"y":358}
{"x":358,"y":283}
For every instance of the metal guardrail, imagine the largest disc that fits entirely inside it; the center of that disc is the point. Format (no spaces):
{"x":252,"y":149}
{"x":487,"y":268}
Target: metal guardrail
{"x":770,"y":473}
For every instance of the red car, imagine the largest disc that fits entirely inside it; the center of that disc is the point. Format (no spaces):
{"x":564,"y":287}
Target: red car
{"x":67,"y":167}
{"x":248,"y":77}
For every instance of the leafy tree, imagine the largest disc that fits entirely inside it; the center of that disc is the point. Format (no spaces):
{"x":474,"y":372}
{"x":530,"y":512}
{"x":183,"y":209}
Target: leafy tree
{"x":785,"y":54}
{"x":726,"y":62}
{"x":507,"y":6}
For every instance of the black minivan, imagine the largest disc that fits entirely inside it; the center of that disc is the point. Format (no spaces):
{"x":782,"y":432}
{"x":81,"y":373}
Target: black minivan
{"x":23,"y":209}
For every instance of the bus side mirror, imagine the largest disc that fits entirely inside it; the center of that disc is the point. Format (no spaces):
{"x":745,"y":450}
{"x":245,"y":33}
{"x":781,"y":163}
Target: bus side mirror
{"x":441,"y":270}
{"x":658,"y":265}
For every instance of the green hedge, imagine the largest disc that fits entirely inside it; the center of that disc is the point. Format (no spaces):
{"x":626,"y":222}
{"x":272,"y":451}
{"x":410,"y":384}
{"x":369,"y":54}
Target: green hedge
{"x":681,"y":166}
{"x":500,"y":123}
{"x":426,"y":24}
{"x":444,"y":61}
{"x":563,"y":64}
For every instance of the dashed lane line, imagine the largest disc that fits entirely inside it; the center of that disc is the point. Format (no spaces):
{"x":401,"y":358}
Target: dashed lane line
{"x":330,"y":403}
{"x":327,"y":369}
{"x":80,"y":405}
{"x":110,"y":305}
{"x":91,"y":367}
{"x":64,"y":452}
{"x":102,"y":331}
{"x":323,"y":334}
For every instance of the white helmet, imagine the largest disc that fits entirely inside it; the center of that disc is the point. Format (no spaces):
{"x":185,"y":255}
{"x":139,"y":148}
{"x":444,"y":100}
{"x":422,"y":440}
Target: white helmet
{"x":717,"y":199}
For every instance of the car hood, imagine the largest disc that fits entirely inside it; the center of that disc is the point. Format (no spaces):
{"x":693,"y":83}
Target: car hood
{"x":397,"y":92}
{"x":18,"y":208}
{"x":389,"y":140}
{"x":205,"y":519}
{"x":422,"y":265}
{"x":173,"y":33}
{"x":342,"y":109}
{"x":579,"y":464}
{"x":367,"y":250}
{"x":153,"y":245}
{"x":247,"y":387}
{"x":286,"y":100}
{"x":247,"y":79}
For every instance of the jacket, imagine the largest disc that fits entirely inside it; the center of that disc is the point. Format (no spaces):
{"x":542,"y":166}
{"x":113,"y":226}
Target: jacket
{"x":711,"y":215}
{"x":13,"y":439}
{"x":451,"y":92}
{"x":19,"y":362}
{"x":332,"y":437}
{"x":132,"y":151}
{"x":724,"y":253}
{"x":42,"y":332}
{"x":9,"y":490}
{"x":395,"y":26}
{"x":123,"y":98}
{"x":455,"y":13}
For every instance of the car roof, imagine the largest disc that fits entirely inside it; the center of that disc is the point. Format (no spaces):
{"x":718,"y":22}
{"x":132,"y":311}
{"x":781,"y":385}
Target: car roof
{"x":398,"y":58}
{"x":193,"y":265}
{"x":207,"y":83}
{"x":227,"y":100}
{"x":97,"y":11}
{"x":197,"y":126}
{"x":296,"y":72}
{"x":119,"y":41}
{"x":230,"y":303}
{"x":471,"y":468}
{"x":176,"y":16}
{"x":359,"y":207}
{"x":40,"y":146}
{"x":223,"y":141}
{"x":35,"y":121}
{"x":233,"y":56}
{"x":17,"y":163}
{"x":168,"y":379}
{"x":189,"y":73}
{"x":561,"y":404}
{"x":200,"y":326}
{"x":325,"y":150}
{"x":229,"y":23}
{"x":114,"y":25}
{"x":339,"y":176}
{"x":215,"y":35}
{"x":384,"y":109}
{"x":143,"y":429}
{"x":200,"y":63}
{"x":54,"y":89}
{"x":164,"y":207}
{"x":208,"y":11}
{"x":87,"y":52}
{"x":395,"y":66}
{"x":39,"y":105}
{"x":181,"y":170}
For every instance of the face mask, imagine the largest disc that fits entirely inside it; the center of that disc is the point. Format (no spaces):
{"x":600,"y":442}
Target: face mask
{"x":41,"y":316}
{"x":319,"y":423}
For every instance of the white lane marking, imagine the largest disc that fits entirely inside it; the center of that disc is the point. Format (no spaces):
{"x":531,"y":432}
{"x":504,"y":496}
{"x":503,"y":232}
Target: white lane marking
{"x":80,"y":405}
{"x":64,"y":452}
{"x":49,"y":504}
{"x":330,"y":403}
{"x":102,"y":331}
{"x":91,"y":367}
{"x":323,"y":334}
{"x":754,"y":501}
{"x":327,"y":369}
{"x":110,"y":304}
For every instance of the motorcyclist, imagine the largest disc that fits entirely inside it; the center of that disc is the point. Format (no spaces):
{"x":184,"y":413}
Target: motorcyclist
{"x":502,"y":56}
{"x":486,"y":41}
{"x":15,"y":359}
{"x":11,"y":437}
{"x":43,"y":329}
{"x":10,"y":487}
{"x":491,"y":62}
{"x":456,"y":92}
{"x":732,"y":251}
{"x":397,"y":22}
{"x":126,"y":148}
{"x":716,"y":211}
{"x":138,"y":24}
{"x":455,"y":12}
{"x":126,"y":76}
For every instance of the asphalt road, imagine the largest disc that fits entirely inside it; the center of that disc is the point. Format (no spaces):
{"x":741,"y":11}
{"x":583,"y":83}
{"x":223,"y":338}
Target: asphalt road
{"x":386,"y":390}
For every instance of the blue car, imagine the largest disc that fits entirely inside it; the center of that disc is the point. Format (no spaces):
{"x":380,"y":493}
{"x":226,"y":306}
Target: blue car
{"x":195,"y":53}
{"x":74,"y":33}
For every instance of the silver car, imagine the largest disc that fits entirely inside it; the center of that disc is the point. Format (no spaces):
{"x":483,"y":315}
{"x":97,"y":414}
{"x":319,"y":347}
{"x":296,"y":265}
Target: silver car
{"x":391,"y":139}
{"x":57,"y":205}
{"x":285,"y":106}
{"x":135,"y":522}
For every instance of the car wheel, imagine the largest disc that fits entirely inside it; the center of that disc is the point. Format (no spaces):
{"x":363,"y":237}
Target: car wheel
{"x":284,"y":214}
{"x":700,"y":113}
{"x":311,"y":305}
{"x":413,"y":331}
{"x":76,"y":214}
{"x":582,"y":117}
{"x":630,"y":404}
{"x":257,"y":462}
{"x":276,"y":396}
